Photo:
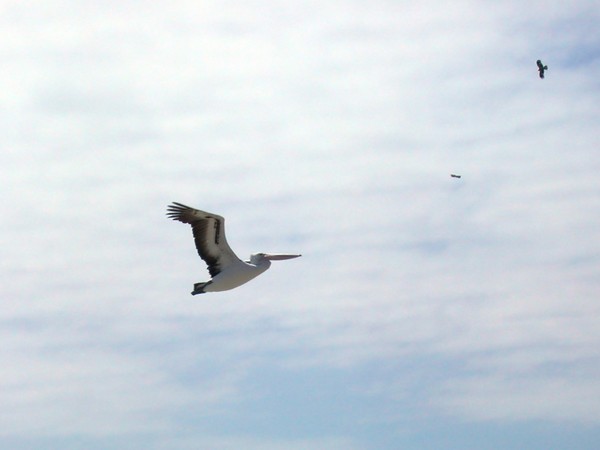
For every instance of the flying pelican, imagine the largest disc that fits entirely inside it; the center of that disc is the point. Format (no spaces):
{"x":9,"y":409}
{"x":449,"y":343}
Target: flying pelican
{"x":226,"y":269}
{"x":541,"y":68}
{"x":453,"y":175}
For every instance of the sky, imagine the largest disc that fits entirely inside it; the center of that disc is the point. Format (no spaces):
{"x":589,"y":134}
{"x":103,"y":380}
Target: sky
{"x":427,"y":312}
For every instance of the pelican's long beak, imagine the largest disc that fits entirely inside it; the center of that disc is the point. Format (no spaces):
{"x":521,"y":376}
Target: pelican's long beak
{"x":279,"y":256}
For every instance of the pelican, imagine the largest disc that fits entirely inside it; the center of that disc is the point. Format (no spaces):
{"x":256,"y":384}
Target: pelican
{"x":226,"y":269}
{"x":453,"y":175}
{"x":541,"y":68}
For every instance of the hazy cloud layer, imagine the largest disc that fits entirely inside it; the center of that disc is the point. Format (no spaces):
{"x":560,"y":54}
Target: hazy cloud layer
{"x":426,"y":311}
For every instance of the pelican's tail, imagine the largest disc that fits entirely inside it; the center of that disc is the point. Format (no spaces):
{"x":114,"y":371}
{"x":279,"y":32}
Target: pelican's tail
{"x":199,"y":288}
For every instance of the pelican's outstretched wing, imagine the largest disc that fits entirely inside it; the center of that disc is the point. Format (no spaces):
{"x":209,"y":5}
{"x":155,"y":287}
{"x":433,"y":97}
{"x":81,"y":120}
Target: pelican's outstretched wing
{"x":209,"y":235}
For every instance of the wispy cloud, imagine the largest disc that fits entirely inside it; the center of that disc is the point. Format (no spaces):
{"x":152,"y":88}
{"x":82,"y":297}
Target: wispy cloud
{"x":328,"y":129}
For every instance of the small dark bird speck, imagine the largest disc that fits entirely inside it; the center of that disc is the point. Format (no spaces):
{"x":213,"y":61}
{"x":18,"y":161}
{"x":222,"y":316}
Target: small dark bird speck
{"x":541,"y":68}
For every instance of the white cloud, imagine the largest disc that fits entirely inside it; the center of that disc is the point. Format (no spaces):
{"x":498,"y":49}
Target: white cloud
{"x":514,"y":399}
{"x":328,"y":129}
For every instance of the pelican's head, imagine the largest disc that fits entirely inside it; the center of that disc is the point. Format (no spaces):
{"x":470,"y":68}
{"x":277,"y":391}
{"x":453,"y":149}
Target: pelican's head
{"x":257,"y":258}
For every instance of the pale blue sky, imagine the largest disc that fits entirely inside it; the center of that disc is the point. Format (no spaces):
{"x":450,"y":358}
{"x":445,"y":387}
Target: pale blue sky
{"x":426,"y":312}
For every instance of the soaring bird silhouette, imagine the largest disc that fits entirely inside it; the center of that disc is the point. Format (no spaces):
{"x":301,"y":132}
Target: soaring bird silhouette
{"x":226,"y":269}
{"x":541,"y":68}
{"x":453,"y":175}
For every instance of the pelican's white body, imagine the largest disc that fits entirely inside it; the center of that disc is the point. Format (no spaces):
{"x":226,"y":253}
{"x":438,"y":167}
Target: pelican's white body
{"x":236,"y":274}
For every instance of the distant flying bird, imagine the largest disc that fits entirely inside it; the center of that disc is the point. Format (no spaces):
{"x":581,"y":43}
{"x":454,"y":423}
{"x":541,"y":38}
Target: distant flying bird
{"x":455,"y":176}
{"x":226,"y":269}
{"x":541,"y":68}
